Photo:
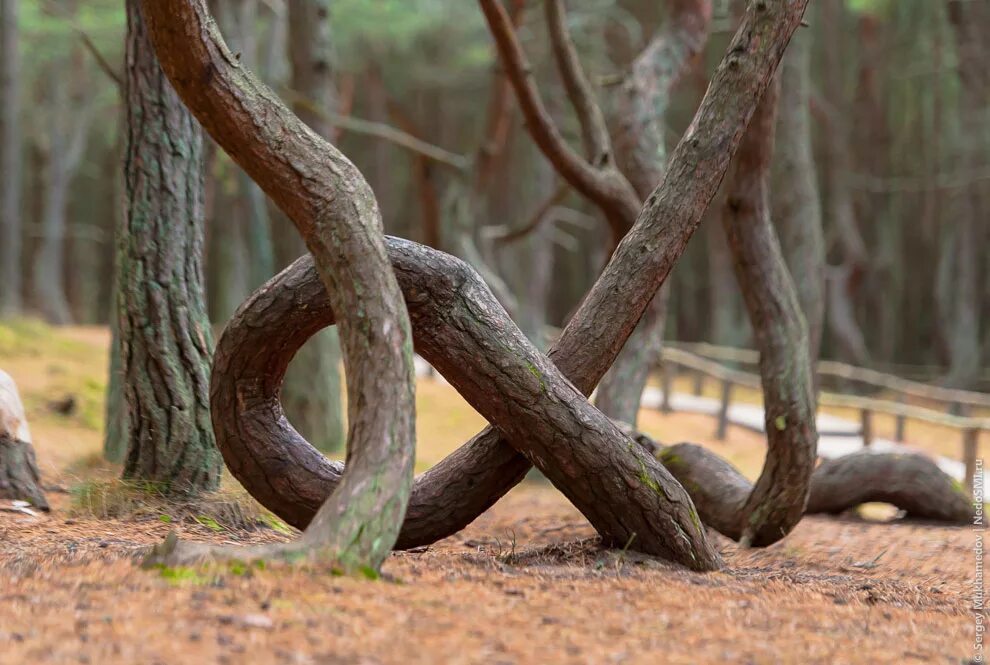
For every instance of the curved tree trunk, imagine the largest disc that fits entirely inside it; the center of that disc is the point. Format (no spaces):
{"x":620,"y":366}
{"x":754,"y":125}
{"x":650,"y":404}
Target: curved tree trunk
{"x":311,"y":394}
{"x":244,"y":115}
{"x":19,"y":477}
{"x":334,"y":209}
{"x":641,"y":154}
{"x":778,"y":499}
{"x":796,"y":203}
{"x":10,"y":161}
{"x":465,"y":334}
{"x":165,"y":337}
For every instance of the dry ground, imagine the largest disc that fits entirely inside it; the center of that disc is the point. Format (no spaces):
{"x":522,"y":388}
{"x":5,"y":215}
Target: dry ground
{"x":524,"y":584}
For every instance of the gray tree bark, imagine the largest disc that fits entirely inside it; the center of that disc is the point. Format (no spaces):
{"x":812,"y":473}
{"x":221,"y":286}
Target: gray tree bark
{"x":164,"y":332}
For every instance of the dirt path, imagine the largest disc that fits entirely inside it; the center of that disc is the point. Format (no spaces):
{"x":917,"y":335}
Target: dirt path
{"x":521,"y":585}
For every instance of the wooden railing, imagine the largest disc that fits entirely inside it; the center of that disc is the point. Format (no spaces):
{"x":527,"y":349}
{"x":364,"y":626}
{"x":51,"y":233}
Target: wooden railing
{"x":677,"y":357}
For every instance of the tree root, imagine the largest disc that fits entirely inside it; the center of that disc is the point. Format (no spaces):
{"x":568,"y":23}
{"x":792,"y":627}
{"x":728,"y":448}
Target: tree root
{"x":910,"y":482}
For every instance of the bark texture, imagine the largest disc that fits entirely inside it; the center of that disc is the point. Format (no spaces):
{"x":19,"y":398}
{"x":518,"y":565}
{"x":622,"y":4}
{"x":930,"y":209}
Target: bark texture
{"x":641,"y":154}
{"x":19,"y":477}
{"x":10,"y":161}
{"x":335,"y":211}
{"x":165,"y":337}
{"x":484,"y":469}
{"x":910,"y":482}
{"x":778,"y":499}
{"x":311,"y":394}
{"x":465,"y":334}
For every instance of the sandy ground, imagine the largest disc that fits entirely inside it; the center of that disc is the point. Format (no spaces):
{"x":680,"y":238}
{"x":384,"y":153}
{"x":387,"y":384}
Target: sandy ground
{"x":525,"y":583}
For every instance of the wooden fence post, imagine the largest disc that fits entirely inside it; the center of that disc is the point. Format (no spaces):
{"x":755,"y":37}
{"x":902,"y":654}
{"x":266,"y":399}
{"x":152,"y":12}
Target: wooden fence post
{"x":971,"y":441}
{"x":723,"y":412}
{"x":667,"y":373}
{"x":866,"y":421}
{"x":699,"y":382}
{"x":900,"y":423}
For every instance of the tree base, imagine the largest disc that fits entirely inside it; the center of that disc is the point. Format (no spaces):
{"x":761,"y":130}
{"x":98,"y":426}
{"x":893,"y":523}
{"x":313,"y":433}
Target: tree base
{"x":19,"y":477}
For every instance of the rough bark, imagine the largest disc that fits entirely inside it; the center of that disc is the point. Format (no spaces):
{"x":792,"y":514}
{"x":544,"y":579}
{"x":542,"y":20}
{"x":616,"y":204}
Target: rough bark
{"x":335,"y":211}
{"x":19,"y":477}
{"x":311,"y":394}
{"x":10,"y":161}
{"x":778,"y":499}
{"x":910,"y":482}
{"x":796,"y":202}
{"x":460,"y":328}
{"x":642,"y":155}
{"x":480,"y":472}
{"x":165,"y":336}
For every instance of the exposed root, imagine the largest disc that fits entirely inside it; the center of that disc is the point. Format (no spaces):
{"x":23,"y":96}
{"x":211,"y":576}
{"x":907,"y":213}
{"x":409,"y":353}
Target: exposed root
{"x":910,"y":482}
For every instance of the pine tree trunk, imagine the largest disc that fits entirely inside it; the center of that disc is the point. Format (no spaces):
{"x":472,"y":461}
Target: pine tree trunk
{"x":10,"y":161}
{"x":165,"y":336}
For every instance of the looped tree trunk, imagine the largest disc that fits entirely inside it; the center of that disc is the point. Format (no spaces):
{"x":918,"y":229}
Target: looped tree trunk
{"x":626,"y":494}
{"x":19,"y":477}
{"x":460,"y":328}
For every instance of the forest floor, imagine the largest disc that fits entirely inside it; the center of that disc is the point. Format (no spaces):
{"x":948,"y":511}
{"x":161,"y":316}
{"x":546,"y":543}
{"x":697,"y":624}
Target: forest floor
{"x":525,"y":583}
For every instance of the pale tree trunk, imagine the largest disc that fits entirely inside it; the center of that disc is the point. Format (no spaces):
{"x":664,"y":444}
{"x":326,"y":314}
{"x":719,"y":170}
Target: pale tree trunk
{"x":844,"y":281}
{"x":165,"y":337}
{"x":19,"y":477}
{"x":970,"y":21}
{"x":796,"y":203}
{"x":311,"y":393}
{"x":642,"y":156}
{"x":335,"y":211}
{"x":10,"y":161}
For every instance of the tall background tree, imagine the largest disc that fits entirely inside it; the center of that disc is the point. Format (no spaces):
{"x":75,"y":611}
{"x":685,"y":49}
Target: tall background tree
{"x":10,"y":161}
{"x":165,"y":336}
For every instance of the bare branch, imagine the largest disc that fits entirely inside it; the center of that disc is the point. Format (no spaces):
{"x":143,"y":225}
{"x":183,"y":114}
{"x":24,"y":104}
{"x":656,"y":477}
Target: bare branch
{"x":594,"y":131}
{"x":605,"y":187}
{"x":505,"y":235}
{"x":452,"y":160}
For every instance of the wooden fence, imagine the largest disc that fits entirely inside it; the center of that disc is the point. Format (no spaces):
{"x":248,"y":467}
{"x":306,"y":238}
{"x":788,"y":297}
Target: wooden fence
{"x":701,"y":361}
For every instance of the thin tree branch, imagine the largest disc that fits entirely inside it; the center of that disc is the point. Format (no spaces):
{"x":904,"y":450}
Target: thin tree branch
{"x":452,"y":160}
{"x":594,"y":132}
{"x":605,"y":187}
{"x":504,"y":234}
